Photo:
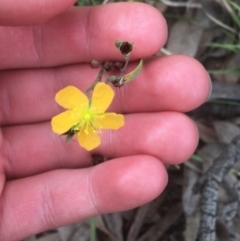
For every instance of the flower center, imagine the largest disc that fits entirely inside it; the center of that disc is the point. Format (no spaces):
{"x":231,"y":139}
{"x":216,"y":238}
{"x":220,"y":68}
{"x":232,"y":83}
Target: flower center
{"x":87,"y":117}
{"x":87,"y":122}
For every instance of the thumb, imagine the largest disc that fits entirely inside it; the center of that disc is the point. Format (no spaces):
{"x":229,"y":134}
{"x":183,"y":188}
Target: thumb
{"x":31,"y":12}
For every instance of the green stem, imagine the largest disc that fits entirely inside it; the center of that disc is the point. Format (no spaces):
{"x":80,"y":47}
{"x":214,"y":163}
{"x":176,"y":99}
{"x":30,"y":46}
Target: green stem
{"x":92,"y":229}
{"x":95,"y":81}
{"x":127,"y":58}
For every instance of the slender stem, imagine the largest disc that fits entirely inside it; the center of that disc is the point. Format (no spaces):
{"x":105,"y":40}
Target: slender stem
{"x":92,"y":229}
{"x":127,"y":58}
{"x":99,"y":77}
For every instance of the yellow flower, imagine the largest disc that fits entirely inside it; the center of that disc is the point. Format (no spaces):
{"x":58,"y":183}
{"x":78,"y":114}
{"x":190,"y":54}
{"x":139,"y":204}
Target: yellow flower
{"x":86,"y":117}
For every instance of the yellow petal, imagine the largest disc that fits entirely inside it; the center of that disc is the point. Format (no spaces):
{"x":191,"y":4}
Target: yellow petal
{"x":71,"y":97}
{"x":89,"y":141}
{"x":110,"y":121}
{"x":102,"y":97}
{"x":63,"y":122}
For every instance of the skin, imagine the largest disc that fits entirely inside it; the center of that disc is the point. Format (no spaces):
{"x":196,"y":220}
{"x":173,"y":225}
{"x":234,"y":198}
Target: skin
{"x":47,"y":183}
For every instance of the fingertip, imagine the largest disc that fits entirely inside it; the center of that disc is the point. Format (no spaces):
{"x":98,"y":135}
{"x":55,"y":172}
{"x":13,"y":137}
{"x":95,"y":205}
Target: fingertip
{"x":195,"y":80}
{"x":180,"y":139}
{"x":182,"y":85}
{"x":200,"y":86}
{"x":128,"y":182}
{"x":139,"y":23}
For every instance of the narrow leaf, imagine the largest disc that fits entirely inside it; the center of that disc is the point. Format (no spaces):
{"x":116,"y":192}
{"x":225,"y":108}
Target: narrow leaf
{"x":132,"y":75}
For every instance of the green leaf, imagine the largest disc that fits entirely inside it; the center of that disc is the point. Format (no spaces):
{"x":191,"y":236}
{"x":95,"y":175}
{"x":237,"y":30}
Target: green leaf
{"x":69,"y":136}
{"x":132,"y":75}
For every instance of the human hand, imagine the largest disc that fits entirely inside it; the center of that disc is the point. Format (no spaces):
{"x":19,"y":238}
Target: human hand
{"x":46,"y":182}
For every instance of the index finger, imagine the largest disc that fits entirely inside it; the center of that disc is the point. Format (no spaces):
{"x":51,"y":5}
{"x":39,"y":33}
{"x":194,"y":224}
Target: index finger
{"x":31,"y":12}
{"x":82,"y":34}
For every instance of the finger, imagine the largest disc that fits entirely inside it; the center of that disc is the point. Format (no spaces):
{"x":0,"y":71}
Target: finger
{"x":175,"y":83}
{"x":170,"y":136}
{"x":62,"y":197}
{"x":83,"y":34}
{"x":31,"y":12}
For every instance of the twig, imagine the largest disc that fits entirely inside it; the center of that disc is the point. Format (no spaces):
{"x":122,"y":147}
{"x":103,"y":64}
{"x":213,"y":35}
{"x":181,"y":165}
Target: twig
{"x":193,"y":167}
{"x":165,"y":51}
{"x":137,"y":224}
{"x":220,"y":23}
{"x":163,"y":224}
{"x":227,"y":6}
{"x":210,"y":184}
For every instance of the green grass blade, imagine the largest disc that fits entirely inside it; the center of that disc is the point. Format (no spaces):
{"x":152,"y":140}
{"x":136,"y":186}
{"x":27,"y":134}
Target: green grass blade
{"x":82,"y":2}
{"x":224,"y":71}
{"x":179,"y":17}
{"x":196,"y":158}
{"x":224,"y":102}
{"x":235,"y":18}
{"x":92,"y":229}
{"x":230,"y":47}
{"x":233,"y":14}
{"x":229,"y":34}
{"x":235,"y":5}
{"x":93,"y":2}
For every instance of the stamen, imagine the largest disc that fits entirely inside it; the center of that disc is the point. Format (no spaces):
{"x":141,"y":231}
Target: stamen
{"x":86,"y":128}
